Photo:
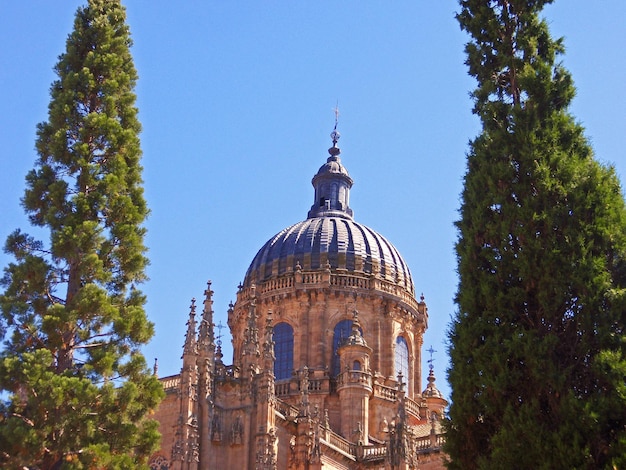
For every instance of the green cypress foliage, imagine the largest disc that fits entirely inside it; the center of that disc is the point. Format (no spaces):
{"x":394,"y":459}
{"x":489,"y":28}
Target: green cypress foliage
{"x":537,"y":347}
{"x":76,"y":390}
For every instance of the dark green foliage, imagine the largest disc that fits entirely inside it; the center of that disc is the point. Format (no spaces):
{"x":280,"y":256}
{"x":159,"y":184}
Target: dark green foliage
{"x":538,"y":349}
{"x":76,"y":389}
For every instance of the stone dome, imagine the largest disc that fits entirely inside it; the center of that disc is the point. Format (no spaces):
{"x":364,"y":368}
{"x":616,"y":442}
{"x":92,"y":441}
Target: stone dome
{"x":329,"y":242}
{"x":329,"y":238}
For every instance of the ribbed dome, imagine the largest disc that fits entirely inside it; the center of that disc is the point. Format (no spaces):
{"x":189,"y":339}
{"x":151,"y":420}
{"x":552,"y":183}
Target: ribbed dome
{"x":338,"y":241}
{"x":330,"y":238}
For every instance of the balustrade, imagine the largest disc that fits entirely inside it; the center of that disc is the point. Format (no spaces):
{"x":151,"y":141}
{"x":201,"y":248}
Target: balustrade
{"x":412,"y":407}
{"x":364,"y":282}
{"x":311,"y":278}
{"x":384,"y":392}
{"x":170,"y":383}
{"x":316,"y":385}
{"x":355,"y":377}
{"x":349,"y":281}
{"x":282,"y":388}
{"x":377,"y":452}
{"x":283,"y":282}
{"x":292,"y":386}
{"x":287,"y":410}
{"x":340,"y":443}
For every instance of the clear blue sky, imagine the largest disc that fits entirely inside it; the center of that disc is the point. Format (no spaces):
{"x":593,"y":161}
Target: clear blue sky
{"x":236,"y":101}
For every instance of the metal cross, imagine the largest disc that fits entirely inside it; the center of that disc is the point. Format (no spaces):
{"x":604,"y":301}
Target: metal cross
{"x":430,"y":361}
{"x":219,"y":335}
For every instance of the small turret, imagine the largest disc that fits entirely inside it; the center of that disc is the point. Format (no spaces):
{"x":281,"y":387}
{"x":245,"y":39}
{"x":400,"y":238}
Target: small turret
{"x":355,"y":384}
{"x":191,"y":345}
{"x":206,"y":333}
{"x":185,"y":452}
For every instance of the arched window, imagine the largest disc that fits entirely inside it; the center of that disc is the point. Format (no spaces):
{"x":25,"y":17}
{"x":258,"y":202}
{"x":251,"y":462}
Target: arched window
{"x":283,"y":350}
{"x":341,"y":333}
{"x":356,"y":365}
{"x":402,"y":358}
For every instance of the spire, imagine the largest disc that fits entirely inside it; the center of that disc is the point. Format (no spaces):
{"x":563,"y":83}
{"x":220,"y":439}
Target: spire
{"x":431,"y":390}
{"x":206,"y":335}
{"x":332,"y":183}
{"x":335,"y":135}
{"x":356,"y":337}
{"x":191,"y":346}
{"x":251,"y":333}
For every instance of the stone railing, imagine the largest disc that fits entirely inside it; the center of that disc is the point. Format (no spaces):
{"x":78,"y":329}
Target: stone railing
{"x":170,"y":383}
{"x":313,"y":277}
{"x":282,"y":389}
{"x":350,"y":281}
{"x":317,"y":385}
{"x":278,"y":283}
{"x":391,"y":394}
{"x":412,"y":407}
{"x":354,"y":377}
{"x":335,"y":279}
{"x":430,"y":443}
{"x":422,"y":443}
{"x":318,"y":381}
{"x":384,"y":392}
{"x":397,"y":291}
{"x":286,"y":410}
{"x":335,"y":440}
{"x":372,"y":453}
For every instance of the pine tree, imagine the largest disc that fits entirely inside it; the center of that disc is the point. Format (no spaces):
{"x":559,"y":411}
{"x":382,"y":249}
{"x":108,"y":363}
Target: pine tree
{"x":537,"y":347}
{"x":75,"y":387}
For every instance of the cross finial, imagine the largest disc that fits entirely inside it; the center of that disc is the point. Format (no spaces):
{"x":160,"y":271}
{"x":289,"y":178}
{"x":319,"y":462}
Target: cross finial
{"x":334,"y":135}
{"x":219,"y":334}
{"x":430,"y":361}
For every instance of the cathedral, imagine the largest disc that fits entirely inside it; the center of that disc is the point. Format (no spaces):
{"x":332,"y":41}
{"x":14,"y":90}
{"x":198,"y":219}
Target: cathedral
{"x":326,"y":373}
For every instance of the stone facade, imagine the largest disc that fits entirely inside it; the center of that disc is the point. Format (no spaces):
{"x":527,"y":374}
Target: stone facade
{"x":327,"y":341}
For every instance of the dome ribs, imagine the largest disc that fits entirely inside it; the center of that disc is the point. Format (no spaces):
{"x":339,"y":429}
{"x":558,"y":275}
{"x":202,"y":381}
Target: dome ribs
{"x":342,"y":242}
{"x":284,"y":258}
{"x":316,"y":244}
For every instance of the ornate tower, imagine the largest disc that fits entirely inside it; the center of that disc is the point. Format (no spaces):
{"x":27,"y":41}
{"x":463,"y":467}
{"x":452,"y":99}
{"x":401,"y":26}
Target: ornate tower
{"x":186,"y":449}
{"x":206,"y":374}
{"x":313,"y":276}
{"x":313,"y":384}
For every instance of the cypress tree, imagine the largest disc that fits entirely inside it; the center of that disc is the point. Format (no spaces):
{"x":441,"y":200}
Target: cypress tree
{"x":75,"y":387}
{"x":537,"y":347}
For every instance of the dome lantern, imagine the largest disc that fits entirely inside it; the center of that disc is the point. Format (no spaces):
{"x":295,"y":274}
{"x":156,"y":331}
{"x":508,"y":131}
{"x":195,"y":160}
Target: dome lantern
{"x":332,"y":185}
